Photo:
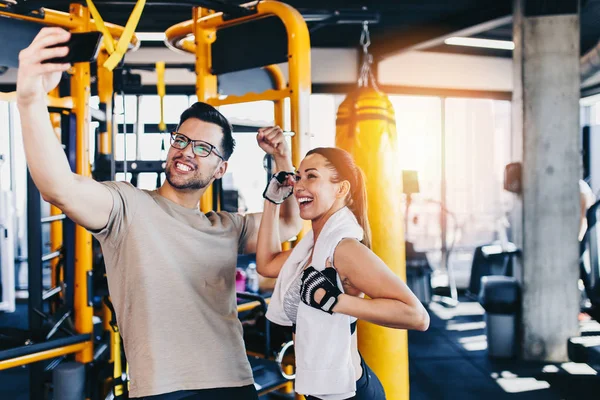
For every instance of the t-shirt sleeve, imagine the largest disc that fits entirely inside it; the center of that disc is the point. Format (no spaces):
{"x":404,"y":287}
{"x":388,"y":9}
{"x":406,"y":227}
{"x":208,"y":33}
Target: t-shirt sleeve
{"x":246,"y":229}
{"x":125,"y":202}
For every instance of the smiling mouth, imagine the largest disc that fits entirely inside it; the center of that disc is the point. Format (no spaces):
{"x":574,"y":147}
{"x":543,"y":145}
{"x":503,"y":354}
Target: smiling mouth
{"x":304,"y":201}
{"x":182,"y":167}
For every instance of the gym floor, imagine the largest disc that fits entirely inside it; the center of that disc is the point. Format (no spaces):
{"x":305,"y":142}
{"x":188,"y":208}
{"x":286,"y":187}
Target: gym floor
{"x":449,"y":361}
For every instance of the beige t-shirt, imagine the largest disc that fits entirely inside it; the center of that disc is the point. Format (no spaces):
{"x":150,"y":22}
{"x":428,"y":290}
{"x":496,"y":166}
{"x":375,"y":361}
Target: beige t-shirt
{"x":171,"y":277}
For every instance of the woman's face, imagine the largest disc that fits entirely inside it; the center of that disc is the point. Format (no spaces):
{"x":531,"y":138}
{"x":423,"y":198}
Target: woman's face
{"x":315,"y":192}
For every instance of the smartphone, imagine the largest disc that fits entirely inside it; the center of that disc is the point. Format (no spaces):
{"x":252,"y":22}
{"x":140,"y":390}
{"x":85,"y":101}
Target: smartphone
{"x":83,"y":47}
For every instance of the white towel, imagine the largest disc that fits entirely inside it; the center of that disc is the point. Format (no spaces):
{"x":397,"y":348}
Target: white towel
{"x":324,"y":365}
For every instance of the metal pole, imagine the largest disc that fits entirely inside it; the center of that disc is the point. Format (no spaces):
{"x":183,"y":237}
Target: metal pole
{"x":138,"y":129}
{"x":445,"y":261}
{"x":34,"y":287}
{"x":11,"y":154}
{"x":206,"y":83}
{"x":80,"y":91}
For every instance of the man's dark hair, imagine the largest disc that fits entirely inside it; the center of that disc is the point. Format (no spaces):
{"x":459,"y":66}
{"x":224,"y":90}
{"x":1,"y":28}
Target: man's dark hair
{"x":207,"y":113}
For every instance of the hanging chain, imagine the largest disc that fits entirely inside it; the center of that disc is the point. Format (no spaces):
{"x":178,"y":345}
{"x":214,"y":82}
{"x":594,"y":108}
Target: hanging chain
{"x":366,"y":74}
{"x":365,"y":38}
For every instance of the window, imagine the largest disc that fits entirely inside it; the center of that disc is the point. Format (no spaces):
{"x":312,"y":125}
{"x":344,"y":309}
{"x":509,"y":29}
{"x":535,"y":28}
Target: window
{"x":477,"y":147}
{"x":418,"y":124}
{"x":323,"y":109}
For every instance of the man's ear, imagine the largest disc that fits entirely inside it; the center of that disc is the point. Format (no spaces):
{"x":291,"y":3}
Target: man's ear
{"x":343,"y":190}
{"x":221,"y":170}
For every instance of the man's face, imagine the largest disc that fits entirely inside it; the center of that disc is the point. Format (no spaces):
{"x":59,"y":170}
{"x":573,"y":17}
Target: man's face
{"x":189,"y":172}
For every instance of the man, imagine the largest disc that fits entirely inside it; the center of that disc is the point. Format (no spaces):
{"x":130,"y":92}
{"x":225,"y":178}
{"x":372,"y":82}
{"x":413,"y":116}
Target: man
{"x":170,"y":268}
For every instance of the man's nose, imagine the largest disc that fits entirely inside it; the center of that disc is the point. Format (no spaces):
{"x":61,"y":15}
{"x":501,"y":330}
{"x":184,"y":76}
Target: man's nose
{"x":188,"y":152}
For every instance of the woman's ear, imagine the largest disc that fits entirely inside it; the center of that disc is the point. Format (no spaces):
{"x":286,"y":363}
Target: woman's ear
{"x":343,"y":190}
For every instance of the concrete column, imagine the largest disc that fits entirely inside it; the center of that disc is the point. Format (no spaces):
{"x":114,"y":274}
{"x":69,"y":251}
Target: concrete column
{"x":546,"y":139}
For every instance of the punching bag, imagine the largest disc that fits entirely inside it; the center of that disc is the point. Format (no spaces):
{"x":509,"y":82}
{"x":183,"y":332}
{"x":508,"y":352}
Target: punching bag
{"x":366,"y":128}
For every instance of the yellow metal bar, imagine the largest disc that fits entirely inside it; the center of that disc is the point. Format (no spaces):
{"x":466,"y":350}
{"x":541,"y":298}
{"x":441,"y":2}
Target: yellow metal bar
{"x":60,"y":102}
{"x":289,"y":386}
{"x":298,"y":56}
{"x":43,"y":355}
{"x":206,"y":82}
{"x":179,"y":35}
{"x":277,"y":75}
{"x":117,"y":360}
{"x":65,"y":20}
{"x":56,"y":238}
{"x":56,"y":241}
{"x":269,"y":95}
{"x":105,"y":94}
{"x":80,"y":91}
{"x":249,"y":306}
{"x":53,"y":101}
{"x":161,"y":89}
{"x":280,"y":83}
{"x":106,"y":318}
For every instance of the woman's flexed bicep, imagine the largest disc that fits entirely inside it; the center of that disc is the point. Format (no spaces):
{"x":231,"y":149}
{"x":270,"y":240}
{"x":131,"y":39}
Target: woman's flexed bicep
{"x":391,"y":303}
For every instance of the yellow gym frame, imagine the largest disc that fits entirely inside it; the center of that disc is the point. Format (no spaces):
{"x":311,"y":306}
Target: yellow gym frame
{"x":196,"y":36}
{"x":77,"y":20}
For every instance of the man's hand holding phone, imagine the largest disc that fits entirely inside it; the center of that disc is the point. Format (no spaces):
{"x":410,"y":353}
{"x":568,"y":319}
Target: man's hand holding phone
{"x":35,"y":78}
{"x":51,"y":53}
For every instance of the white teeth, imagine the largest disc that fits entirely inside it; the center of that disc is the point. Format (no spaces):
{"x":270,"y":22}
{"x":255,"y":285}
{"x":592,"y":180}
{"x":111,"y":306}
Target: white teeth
{"x":183,"y":167}
{"x":303,"y":200}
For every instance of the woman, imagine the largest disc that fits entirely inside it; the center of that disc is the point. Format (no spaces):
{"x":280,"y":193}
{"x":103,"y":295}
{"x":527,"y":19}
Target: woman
{"x":323,"y":279}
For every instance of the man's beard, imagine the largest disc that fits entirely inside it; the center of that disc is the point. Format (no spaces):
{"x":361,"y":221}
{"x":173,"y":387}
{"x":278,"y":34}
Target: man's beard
{"x":194,"y":183}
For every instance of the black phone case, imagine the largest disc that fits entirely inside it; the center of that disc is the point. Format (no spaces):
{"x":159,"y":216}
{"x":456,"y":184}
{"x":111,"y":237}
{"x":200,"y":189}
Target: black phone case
{"x":83,"y":47}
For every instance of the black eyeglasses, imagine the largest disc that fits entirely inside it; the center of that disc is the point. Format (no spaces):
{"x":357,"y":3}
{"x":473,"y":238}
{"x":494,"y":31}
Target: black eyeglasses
{"x":199,"y":147}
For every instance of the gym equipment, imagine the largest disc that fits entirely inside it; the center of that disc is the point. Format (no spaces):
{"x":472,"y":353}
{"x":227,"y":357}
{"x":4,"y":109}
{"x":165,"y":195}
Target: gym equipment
{"x":366,"y":128}
{"x":418,"y":273}
{"x":214,"y":57}
{"x":267,"y":365}
{"x":69,"y":381}
{"x":500,"y":298}
{"x":491,"y":259}
{"x":418,"y":270}
{"x":590,"y":260}
{"x":586,"y":348}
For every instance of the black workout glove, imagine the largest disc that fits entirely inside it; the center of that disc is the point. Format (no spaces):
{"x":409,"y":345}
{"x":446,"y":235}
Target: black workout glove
{"x":277,"y":190}
{"x":313,"y":280}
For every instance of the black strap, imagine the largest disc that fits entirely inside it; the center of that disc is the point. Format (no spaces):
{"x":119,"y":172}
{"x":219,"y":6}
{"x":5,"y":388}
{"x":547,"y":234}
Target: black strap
{"x":113,"y":315}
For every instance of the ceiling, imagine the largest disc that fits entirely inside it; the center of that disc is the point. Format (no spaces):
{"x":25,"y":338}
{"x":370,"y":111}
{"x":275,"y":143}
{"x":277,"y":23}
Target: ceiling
{"x":396,"y":24}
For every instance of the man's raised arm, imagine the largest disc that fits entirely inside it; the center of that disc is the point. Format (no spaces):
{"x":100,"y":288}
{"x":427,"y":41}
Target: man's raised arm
{"x":87,"y":202}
